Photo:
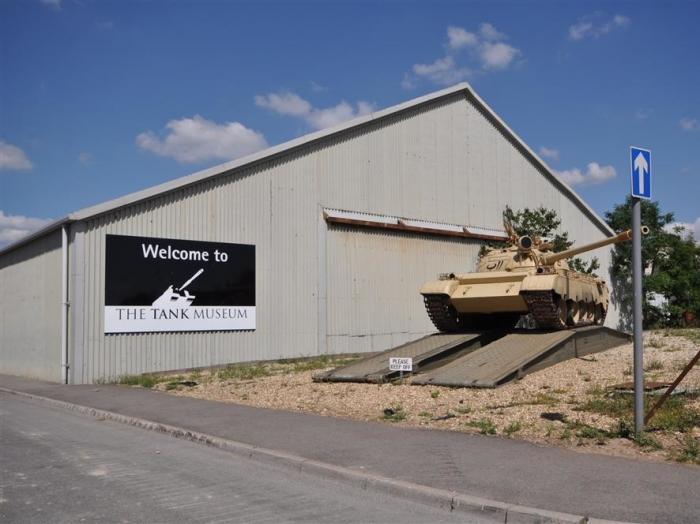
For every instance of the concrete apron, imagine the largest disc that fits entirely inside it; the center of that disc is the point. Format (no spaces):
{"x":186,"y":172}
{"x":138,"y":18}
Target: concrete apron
{"x":482,"y":509}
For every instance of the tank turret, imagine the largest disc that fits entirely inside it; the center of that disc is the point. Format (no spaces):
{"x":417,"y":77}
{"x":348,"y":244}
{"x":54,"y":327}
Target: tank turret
{"x":525,"y":277}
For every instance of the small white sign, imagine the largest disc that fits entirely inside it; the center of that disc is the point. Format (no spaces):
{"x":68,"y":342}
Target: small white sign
{"x":400,"y":364}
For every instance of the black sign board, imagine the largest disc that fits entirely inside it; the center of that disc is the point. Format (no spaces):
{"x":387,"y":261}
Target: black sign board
{"x":161,"y":284}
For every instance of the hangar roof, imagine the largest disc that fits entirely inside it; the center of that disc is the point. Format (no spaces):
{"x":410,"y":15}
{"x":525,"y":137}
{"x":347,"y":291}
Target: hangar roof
{"x":266,"y":154}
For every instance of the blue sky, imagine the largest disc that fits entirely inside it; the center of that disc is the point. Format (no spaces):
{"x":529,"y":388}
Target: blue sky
{"x":102,"y":98}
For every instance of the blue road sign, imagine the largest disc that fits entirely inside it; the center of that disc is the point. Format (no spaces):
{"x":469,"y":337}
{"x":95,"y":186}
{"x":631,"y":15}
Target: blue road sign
{"x":640,"y":163}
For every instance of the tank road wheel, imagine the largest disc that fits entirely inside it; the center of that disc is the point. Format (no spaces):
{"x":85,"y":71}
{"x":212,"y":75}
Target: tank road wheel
{"x":562,"y":312}
{"x":442,"y":313}
{"x":599,"y":317}
{"x":571,"y":313}
{"x":581,"y":314}
{"x":548,"y":309}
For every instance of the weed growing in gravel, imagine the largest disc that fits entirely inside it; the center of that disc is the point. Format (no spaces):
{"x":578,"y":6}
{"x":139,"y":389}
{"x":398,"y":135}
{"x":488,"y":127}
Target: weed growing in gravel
{"x":690,"y":452}
{"x":691,"y":334}
{"x":645,"y":440}
{"x":485,"y":425}
{"x":145,"y":381}
{"x":654,"y":365}
{"x":434,"y":394}
{"x":653,"y":343}
{"x":586,"y":431}
{"x":395,"y":413}
{"x":544,"y":399}
{"x":463,"y":409}
{"x":674,"y":415}
{"x":243,"y":372}
{"x":425,"y":414}
{"x":672,"y":349}
{"x":511,"y":428}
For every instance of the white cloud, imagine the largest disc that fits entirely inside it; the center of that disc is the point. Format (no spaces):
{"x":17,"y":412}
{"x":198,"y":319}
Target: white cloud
{"x":442,"y":72}
{"x":14,"y":227}
{"x":642,"y":114}
{"x":458,"y":37}
{"x":85,"y":158}
{"x":12,"y":157}
{"x":284,"y":103}
{"x":594,"y":174}
{"x":197,"y":139}
{"x":689,"y":124}
{"x":407,"y":82}
{"x":497,"y":55}
{"x":490,"y":33}
{"x":316,"y":87}
{"x":291,"y":104}
{"x":485,"y":50}
{"x":686,"y":227}
{"x":55,"y":4}
{"x":620,"y":20}
{"x":551,"y":153}
{"x":596,"y":26}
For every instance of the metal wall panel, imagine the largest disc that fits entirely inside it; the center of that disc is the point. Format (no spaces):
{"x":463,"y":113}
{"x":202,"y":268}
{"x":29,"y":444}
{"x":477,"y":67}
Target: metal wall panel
{"x":30,"y":309}
{"x":272,"y":208}
{"x":373,"y":283}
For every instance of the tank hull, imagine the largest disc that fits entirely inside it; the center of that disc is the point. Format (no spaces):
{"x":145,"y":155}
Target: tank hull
{"x":557,"y":300}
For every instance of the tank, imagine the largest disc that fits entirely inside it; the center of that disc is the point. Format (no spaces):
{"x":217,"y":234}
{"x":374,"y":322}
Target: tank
{"x":525,"y":277}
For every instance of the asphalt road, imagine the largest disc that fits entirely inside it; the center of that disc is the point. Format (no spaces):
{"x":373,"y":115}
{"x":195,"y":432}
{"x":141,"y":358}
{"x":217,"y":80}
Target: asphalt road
{"x":58,"y":466}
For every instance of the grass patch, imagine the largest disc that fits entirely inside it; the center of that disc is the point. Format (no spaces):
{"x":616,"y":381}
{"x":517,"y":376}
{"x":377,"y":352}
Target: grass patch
{"x":654,"y":365}
{"x":512,"y":428}
{"x":672,"y":349}
{"x":674,"y":415}
{"x":690,"y":452}
{"x":395,"y":413}
{"x":320,"y":362}
{"x":541,"y":399}
{"x":244,"y":372}
{"x":434,"y":394}
{"x":425,"y":414}
{"x":145,"y":381}
{"x":691,"y":334}
{"x":463,"y":409}
{"x":653,"y":343}
{"x":485,"y":426}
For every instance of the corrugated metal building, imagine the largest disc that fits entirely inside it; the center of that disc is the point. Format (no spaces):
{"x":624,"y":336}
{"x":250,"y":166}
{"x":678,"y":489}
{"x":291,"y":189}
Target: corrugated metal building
{"x":416,"y":173}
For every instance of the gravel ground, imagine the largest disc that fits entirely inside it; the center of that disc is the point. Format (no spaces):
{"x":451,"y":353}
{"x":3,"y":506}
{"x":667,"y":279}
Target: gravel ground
{"x":514,"y":410}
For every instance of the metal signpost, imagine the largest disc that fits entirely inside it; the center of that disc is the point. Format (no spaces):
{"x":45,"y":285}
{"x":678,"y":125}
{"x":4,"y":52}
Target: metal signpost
{"x":640,"y":171}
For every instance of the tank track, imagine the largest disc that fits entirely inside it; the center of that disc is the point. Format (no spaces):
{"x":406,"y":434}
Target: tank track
{"x":444,"y":316}
{"x":544,"y":309}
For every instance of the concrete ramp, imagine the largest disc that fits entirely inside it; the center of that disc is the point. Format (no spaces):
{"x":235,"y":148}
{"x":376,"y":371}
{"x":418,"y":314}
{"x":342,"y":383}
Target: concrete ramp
{"x":518,"y":354}
{"x":425,"y":352}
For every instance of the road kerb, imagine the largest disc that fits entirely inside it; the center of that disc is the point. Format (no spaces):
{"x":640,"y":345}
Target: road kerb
{"x":484,"y":509}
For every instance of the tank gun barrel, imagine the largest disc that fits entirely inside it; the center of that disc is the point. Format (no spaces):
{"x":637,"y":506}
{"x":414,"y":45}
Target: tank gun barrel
{"x":622,"y":237}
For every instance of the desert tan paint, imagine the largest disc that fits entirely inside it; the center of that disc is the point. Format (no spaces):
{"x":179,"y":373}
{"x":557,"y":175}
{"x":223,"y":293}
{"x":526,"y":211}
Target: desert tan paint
{"x":507,"y":277}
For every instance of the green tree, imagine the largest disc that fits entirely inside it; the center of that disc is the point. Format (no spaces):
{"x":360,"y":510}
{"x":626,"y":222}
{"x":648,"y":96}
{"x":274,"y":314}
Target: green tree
{"x":671,"y":260}
{"x":545,"y":223}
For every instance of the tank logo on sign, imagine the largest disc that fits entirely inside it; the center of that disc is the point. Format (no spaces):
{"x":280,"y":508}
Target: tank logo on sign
{"x":157,"y":284}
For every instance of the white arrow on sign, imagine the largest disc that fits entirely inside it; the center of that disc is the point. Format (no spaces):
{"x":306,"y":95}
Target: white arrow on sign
{"x":641,"y":166}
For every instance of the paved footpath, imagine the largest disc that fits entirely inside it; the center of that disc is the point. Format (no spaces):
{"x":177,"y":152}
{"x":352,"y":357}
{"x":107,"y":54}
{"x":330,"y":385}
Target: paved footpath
{"x":510,"y":471}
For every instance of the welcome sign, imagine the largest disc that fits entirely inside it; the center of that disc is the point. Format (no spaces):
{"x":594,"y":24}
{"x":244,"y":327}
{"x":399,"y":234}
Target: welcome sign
{"x":161,"y":284}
